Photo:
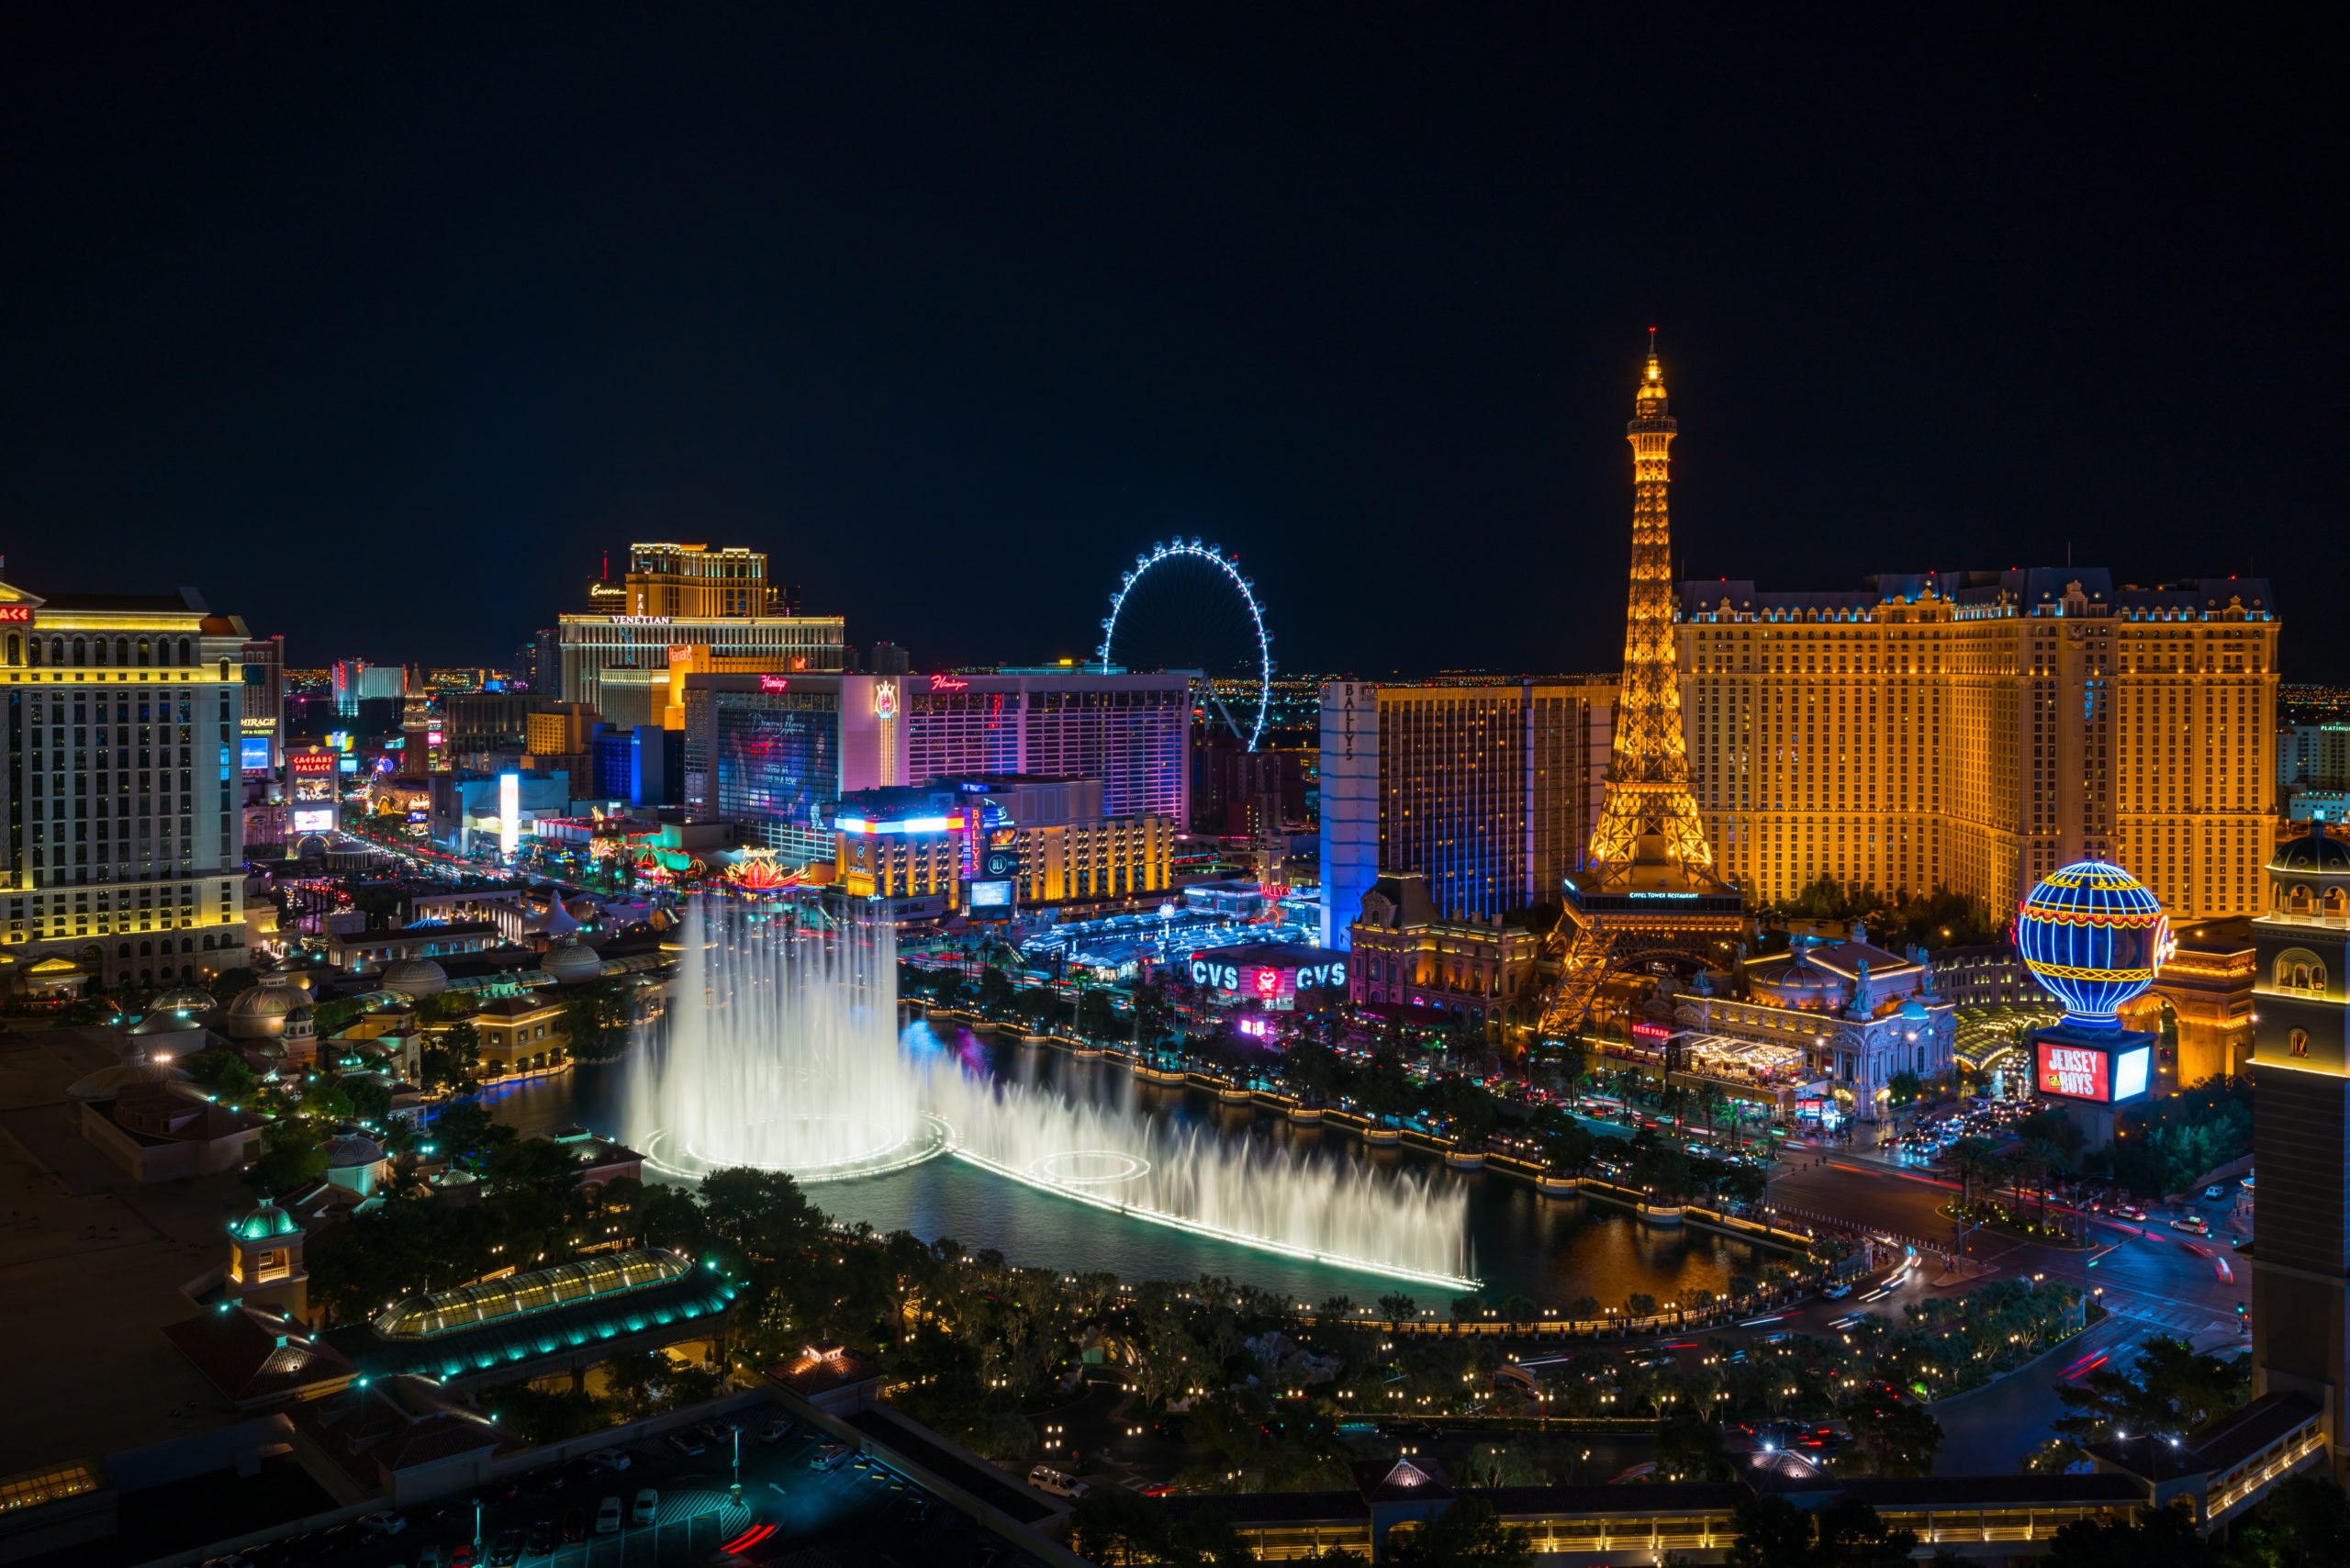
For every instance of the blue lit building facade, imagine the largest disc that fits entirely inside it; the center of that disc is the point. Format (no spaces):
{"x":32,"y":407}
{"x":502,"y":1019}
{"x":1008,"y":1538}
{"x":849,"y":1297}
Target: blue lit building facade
{"x":1488,"y":790}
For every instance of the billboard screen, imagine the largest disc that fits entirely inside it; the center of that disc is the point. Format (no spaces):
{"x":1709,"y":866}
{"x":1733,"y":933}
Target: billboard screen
{"x":2129,"y":1069}
{"x":990,"y":895}
{"x":314,"y":821}
{"x":2074,"y":1072}
{"x":253,"y":752}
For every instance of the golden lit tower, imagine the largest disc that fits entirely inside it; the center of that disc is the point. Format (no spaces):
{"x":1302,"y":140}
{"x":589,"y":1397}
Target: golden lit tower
{"x":1649,"y":815}
{"x":1649,"y":889}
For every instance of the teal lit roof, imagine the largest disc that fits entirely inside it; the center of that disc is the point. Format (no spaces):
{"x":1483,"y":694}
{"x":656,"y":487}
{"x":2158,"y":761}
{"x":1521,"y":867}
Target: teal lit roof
{"x":670,"y":1299}
{"x":264,"y":1222}
{"x":521,"y":1296}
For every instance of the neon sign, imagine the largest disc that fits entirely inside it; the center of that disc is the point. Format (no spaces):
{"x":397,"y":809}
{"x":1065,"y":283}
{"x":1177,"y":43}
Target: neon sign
{"x":2072,"y":1071}
{"x":948,"y":683}
{"x":885,"y":700}
{"x":775,"y":683}
{"x":640,"y":620}
{"x":17,"y":614}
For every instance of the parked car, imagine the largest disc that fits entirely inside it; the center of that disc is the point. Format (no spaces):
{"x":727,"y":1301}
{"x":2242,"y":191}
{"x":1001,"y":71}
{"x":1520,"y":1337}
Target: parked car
{"x":384,"y":1522}
{"x":1044,"y":1478}
{"x":2193,"y":1224}
{"x":775,"y":1431}
{"x":832,"y":1456}
{"x":687,"y":1443}
{"x":648,"y":1506}
{"x":608,"y":1515}
{"x":609,"y":1459}
{"x":462,"y":1555}
{"x":509,"y":1549}
{"x":431,"y":1557}
{"x":717,"y":1431}
{"x":574,"y":1524}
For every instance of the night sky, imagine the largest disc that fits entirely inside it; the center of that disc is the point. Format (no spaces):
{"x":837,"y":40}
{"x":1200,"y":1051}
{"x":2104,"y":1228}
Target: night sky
{"x":381,"y":324}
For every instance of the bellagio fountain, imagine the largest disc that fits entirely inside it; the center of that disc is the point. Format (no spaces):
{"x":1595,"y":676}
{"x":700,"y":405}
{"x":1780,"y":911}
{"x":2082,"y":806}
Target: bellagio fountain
{"x":781,"y":1049}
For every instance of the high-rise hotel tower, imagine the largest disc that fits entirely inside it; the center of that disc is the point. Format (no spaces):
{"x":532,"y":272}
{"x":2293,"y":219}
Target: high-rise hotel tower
{"x":126,"y":827}
{"x":1975,"y":730}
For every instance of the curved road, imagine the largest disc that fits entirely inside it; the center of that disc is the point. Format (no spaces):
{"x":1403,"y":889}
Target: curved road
{"x":2154,"y":1281}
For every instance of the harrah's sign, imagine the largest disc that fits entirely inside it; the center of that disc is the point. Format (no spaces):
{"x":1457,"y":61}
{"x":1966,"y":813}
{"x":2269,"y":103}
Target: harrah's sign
{"x":2072,"y":1072}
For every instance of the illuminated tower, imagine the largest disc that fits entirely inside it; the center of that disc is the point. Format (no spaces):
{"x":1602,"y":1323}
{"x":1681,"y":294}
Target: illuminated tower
{"x":1650,"y":889}
{"x":1649,"y":816}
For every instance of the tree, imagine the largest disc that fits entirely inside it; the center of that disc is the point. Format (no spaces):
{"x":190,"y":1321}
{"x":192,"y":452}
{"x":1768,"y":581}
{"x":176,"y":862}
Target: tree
{"x":595,"y":1020}
{"x":452,"y":1058}
{"x":1773,"y":1533}
{"x":537,"y":1165}
{"x":1892,"y":1439}
{"x":1850,"y":1535}
{"x":1397,"y":1308}
{"x":1115,"y":1528}
{"x":370,"y":1100}
{"x":1904,"y":1087}
{"x":995,"y":991}
{"x":465,"y":1130}
{"x":761,"y":1213}
{"x":1096,"y":1018}
{"x":2169,"y":1391}
{"x":1689,"y":1448}
{"x":2304,"y":1523}
{"x":1469,"y":1531}
{"x":2156,"y":1537}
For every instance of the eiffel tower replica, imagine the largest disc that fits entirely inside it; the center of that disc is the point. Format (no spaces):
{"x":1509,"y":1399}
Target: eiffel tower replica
{"x":1649,"y":887}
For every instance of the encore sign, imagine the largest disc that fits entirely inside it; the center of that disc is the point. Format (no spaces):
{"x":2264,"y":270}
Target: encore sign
{"x":2072,"y":1072}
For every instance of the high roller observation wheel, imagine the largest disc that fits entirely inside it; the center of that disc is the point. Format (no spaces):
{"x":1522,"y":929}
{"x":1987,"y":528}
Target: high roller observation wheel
{"x":1213,"y":555}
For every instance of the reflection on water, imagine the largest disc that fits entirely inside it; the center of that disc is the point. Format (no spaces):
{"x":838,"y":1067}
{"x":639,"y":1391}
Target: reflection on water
{"x":1552,"y":1249}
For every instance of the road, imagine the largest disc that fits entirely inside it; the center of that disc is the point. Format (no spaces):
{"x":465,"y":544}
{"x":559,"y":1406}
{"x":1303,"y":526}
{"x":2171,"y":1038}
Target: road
{"x":2151,"y":1279}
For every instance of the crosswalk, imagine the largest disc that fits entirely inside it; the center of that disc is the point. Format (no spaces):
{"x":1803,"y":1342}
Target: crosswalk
{"x":2171,"y":1317}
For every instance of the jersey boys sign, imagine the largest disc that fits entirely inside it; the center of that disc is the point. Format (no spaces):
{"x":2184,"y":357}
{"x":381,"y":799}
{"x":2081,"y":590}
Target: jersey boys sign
{"x":2074,"y":1072}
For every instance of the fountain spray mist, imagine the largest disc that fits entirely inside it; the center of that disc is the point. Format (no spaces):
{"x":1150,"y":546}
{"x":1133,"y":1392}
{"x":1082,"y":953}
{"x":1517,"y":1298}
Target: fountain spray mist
{"x":780,"y":1050}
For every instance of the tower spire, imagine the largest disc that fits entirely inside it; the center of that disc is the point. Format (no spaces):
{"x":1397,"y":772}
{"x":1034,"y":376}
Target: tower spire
{"x":1648,"y":817}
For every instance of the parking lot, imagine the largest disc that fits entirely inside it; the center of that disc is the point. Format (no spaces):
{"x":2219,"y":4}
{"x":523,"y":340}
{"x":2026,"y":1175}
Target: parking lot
{"x":786,"y":1505}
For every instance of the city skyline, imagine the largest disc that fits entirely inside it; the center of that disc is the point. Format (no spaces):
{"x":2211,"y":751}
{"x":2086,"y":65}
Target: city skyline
{"x":900,"y":308}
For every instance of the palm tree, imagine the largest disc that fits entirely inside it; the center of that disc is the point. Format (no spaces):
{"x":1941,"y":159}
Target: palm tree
{"x":2047,"y":1158}
{"x":1975,"y":1158}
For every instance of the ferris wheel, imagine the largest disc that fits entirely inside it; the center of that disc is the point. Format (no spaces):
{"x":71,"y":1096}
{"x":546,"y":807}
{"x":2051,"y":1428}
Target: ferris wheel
{"x":1186,"y":608}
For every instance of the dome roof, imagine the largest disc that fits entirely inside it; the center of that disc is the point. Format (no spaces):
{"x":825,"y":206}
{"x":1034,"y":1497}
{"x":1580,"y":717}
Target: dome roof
{"x":108,"y":1082}
{"x":572,"y":961}
{"x":266,"y":1220}
{"x":260,"y":1013}
{"x":2312,"y":852}
{"x":161,"y":1021}
{"x":418,"y":978}
{"x":185,"y":998}
{"x":350,"y":1148}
